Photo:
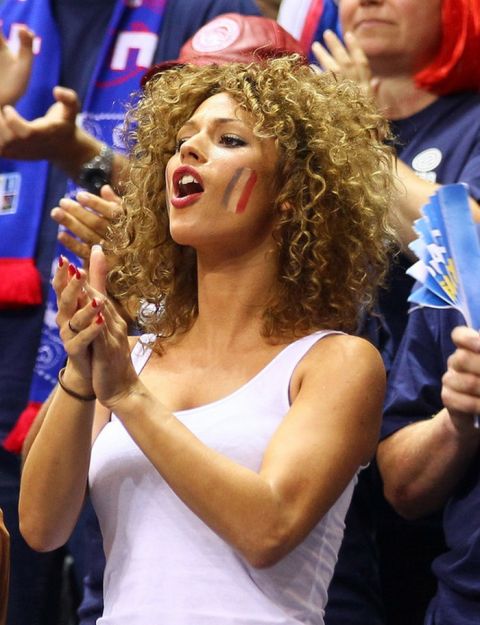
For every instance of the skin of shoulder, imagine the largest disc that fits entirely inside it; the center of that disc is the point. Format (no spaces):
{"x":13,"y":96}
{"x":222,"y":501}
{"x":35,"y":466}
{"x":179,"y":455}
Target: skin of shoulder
{"x":347,"y":371}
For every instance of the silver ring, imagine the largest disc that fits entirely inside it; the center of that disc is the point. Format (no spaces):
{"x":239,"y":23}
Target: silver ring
{"x":72,"y":328}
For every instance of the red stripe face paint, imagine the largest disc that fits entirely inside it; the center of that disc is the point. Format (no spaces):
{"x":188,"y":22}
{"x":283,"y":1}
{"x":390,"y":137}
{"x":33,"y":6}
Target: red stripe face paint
{"x":239,"y":189}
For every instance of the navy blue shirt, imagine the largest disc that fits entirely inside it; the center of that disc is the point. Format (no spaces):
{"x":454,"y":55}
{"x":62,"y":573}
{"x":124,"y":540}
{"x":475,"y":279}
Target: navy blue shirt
{"x":441,"y":143}
{"x":414,"y":394}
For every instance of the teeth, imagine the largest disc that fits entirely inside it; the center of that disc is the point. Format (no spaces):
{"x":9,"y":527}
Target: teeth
{"x":187,"y":179}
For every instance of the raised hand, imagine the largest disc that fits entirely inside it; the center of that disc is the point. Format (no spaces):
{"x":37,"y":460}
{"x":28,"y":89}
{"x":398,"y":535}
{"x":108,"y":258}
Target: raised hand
{"x":347,"y":61}
{"x":87,"y":219}
{"x":112,"y":371}
{"x":461,"y":382}
{"x":49,"y":137}
{"x":15,"y":67}
{"x":79,"y":318}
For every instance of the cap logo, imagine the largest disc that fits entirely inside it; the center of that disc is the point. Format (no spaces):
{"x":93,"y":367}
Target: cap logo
{"x":217,"y":35}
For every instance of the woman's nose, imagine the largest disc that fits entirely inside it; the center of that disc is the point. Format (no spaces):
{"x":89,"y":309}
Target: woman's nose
{"x":191,"y":149}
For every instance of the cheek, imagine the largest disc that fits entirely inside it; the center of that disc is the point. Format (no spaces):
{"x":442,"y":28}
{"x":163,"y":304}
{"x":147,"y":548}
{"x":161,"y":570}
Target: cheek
{"x":346,"y":9}
{"x":239,"y":189}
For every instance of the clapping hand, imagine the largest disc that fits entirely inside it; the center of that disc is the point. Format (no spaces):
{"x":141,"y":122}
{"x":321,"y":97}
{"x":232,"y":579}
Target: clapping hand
{"x":87,"y":219}
{"x":347,"y":61}
{"x":94,"y":334}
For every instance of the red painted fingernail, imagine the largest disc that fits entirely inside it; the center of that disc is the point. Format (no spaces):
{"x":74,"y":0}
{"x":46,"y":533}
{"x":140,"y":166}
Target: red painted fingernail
{"x":78,"y":275}
{"x":99,"y":319}
{"x":60,"y":261}
{"x":94,"y":303}
{"x":72,"y":270}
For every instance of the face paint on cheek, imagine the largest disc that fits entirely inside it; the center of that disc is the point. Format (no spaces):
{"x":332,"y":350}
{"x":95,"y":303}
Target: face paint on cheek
{"x":239,"y":190}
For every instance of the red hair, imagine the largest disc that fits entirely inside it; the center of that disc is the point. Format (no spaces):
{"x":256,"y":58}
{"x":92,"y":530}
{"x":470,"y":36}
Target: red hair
{"x":456,"y":66}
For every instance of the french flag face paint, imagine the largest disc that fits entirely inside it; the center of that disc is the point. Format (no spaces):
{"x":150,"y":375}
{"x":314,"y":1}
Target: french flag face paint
{"x":239,"y":189}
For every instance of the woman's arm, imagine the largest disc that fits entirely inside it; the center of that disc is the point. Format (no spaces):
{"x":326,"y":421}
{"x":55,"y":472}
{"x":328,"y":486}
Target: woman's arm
{"x":54,"y":476}
{"x":330,"y":430}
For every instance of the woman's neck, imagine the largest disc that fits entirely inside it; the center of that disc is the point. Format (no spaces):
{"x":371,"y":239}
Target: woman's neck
{"x":399,"y":97}
{"x":232,"y":296}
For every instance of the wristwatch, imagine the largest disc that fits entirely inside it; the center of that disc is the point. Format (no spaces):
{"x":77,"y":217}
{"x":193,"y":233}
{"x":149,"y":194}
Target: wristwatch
{"x":97,"y":171}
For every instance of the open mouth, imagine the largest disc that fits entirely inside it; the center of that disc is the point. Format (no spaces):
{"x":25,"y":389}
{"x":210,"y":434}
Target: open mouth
{"x":186,"y":181}
{"x":188,"y":185}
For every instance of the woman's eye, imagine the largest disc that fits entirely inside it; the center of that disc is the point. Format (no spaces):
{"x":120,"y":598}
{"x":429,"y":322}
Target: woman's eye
{"x":179,"y":144}
{"x":232,"y":141}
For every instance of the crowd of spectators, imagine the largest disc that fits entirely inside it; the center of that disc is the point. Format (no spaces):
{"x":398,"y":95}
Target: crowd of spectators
{"x":411,"y":541}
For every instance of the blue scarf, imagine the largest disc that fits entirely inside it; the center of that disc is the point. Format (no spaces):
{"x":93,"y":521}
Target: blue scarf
{"x":127,"y":51}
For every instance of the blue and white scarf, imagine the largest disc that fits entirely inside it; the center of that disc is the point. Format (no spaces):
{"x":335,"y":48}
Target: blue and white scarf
{"x":128,"y":49}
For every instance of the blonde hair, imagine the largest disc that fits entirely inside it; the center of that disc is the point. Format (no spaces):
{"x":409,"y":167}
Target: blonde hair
{"x":332,"y":235}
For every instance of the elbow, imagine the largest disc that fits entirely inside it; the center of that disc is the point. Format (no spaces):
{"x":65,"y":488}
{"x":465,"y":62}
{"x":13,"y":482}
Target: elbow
{"x":36,"y":536}
{"x":406,"y":501}
{"x":268,"y":548}
{"x":263,"y":558}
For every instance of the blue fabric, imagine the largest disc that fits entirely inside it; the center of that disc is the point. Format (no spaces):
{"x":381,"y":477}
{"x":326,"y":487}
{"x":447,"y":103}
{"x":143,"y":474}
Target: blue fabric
{"x":413,"y":395}
{"x":449,"y":251}
{"x":329,"y":20}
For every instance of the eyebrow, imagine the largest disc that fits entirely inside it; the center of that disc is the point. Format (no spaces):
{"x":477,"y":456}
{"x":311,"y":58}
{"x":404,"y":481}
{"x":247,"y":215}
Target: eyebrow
{"x":216,"y":121}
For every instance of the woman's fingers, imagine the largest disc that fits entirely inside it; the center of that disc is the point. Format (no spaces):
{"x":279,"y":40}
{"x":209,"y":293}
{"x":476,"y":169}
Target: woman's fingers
{"x":98,"y":269}
{"x":324,"y":58}
{"x":347,"y":60}
{"x":108,"y":204}
{"x":358,"y":59}
{"x":86,"y":219}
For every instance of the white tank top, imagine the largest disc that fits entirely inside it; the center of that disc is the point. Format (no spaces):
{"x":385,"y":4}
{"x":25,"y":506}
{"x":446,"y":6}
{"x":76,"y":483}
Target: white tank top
{"x":164,"y":565}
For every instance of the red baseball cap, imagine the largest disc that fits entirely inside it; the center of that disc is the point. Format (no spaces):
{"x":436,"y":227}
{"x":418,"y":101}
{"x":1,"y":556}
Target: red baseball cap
{"x":233,"y":38}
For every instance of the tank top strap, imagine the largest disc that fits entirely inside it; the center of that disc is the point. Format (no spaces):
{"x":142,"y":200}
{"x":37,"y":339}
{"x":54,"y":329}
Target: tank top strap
{"x":141,"y":351}
{"x":281,"y":368}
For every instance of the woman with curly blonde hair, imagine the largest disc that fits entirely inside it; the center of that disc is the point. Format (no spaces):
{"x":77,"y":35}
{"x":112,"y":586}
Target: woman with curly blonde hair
{"x":226,"y":445}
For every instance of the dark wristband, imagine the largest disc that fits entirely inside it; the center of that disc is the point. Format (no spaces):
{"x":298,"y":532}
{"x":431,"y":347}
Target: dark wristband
{"x":69,"y":391}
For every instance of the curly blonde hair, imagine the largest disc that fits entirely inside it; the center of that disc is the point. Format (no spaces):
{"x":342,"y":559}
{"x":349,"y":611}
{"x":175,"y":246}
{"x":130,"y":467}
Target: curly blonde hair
{"x":332,"y":235}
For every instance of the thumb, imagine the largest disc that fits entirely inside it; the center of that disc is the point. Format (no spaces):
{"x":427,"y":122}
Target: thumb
{"x":70,"y":101}
{"x":26,"y":38}
{"x":16,"y":123}
{"x":98,"y":269}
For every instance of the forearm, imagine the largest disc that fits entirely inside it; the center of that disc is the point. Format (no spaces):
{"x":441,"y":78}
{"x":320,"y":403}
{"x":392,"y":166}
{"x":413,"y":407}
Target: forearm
{"x":242,"y":506}
{"x":413,"y":192}
{"x":36,"y":425}
{"x":83,"y":148}
{"x":422,"y":463}
{"x":54,"y":476}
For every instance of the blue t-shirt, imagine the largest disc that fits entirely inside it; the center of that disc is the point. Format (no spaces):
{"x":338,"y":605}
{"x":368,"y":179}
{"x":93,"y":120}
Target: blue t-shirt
{"x":441,"y":143}
{"x":413,"y":395}
{"x":20,"y":329}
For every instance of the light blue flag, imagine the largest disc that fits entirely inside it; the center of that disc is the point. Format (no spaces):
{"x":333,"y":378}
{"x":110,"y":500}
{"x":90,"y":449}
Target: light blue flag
{"x":448,"y":249}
